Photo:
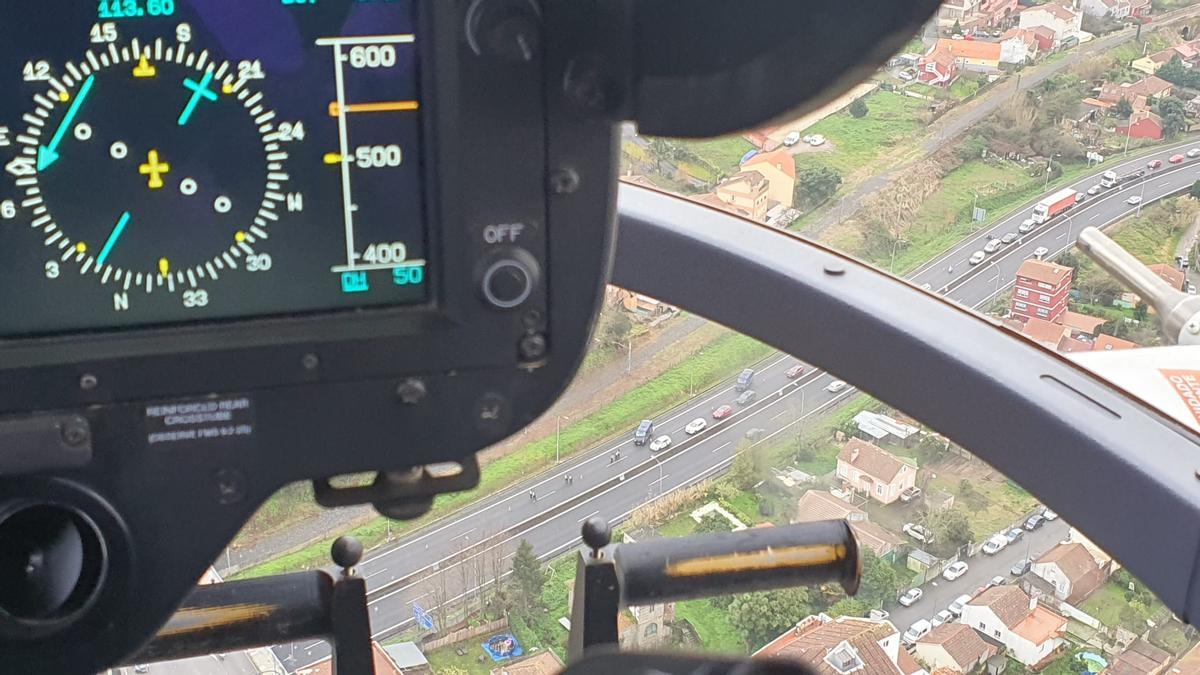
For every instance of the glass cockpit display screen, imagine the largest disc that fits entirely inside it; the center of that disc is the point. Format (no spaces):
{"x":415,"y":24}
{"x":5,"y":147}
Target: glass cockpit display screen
{"x":177,"y":161}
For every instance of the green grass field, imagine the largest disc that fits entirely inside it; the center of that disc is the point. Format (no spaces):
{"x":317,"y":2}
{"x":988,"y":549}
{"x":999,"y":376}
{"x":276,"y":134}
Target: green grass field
{"x":712,"y":625}
{"x":725,"y":152}
{"x":891,"y":121}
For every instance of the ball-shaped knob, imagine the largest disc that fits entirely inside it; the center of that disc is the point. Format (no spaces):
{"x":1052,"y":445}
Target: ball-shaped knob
{"x":346,"y":551}
{"x":596,"y":533}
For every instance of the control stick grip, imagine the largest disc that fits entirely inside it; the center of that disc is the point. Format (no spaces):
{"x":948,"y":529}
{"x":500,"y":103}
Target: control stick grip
{"x":804,"y":554}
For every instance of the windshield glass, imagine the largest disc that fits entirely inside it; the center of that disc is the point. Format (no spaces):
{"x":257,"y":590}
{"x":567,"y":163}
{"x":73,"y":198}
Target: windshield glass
{"x":967,"y":165}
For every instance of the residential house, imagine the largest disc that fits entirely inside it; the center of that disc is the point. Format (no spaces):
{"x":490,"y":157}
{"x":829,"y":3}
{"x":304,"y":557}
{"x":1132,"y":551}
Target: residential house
{"x":779,"y":168}
{"x":882,"y":428}
{"x":1150,"y":63}
{"x":1029,"y":631}
{"x":1140,"y":9}
{"x":956,"y":10}
{"x":713,"y":201}
{"x":937,"y":68}
{"x":1114,"y":9}
{"x":638,"y":627}
{"x":1108,"y":343}
{"x":1019,"y":45}
{"x":1081,"y":325}
{"x":997,"y":13}
{"x":1070,"y":345}
{"x":974,"y":55}
{"x":842,"y":646}
{"x":409,"y":658}
{"x":1045,"y":333}
{"x":816,"y":505}
{"x":1072,"y":571}
{"x":644,"y":306}
{"x":1041,"y":290}
{"x":747,"y":191}
{"x":1143,"y":124}
{"x":384,"y":665}
{"x":1064,"y":21}
{"x":542,"y":663}
{"x":1148,"y":87}
{"x":1046,"y":38}
{"x":954,"y":646}
{"x":1140,"y":658}
{"x":1174,"y":276}
{"x":870,"y":469}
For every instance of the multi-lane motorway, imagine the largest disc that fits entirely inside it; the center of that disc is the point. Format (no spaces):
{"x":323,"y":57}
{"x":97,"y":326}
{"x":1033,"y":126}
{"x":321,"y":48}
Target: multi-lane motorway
{"x":437,"y":563}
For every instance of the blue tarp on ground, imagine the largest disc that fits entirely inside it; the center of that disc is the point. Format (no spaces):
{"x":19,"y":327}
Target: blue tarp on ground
{"x":503,"y":646}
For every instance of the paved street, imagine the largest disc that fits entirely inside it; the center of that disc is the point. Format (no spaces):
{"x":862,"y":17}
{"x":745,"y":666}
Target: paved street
{"x":234,"y":663}
{"x":959,"y":120}
{"x":428,"y":566}
{"x":940,"y":593}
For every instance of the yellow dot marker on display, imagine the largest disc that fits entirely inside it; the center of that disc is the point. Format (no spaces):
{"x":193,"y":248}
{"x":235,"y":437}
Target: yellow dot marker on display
{"x":64,"y":96}
{"x":164,"y":266}
{"x":333,"y":158}
{"x":227,"y":88}
{"x":81,"y":247}
{"x":240,"y":237}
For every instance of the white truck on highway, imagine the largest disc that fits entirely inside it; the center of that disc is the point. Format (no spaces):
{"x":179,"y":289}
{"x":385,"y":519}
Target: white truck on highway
{"x":1109,"y":179}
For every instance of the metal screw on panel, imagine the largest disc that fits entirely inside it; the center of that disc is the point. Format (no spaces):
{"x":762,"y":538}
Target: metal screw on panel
{"x":533,"y":347}
{"x":564,"y":181}
{"x":75,"y":433}
{"x":88,"y":382}
{"x":310,"y":361}
{"x":230,"y":486}
{"x":533,"y":320}
{"x":835,"y":269}
{"x":1193,"y":327}
{"x":411,"y":391}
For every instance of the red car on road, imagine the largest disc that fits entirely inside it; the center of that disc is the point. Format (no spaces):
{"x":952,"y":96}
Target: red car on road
{"x":795,"y":371}
{"x":722,"y":412}
{"x":1176,"y":159}
{"x":1154,"y":164}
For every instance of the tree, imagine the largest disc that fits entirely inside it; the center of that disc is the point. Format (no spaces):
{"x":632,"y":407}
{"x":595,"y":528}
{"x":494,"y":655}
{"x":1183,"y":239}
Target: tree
{"x":747,"y":468}
{"x":761,"y":617}
{"x":957,"y":30}
{"x":528,"y":575}
{"x":951,"y":526}
{"x":1123,"y":108}
{"x":1174,"y":115}
{"x":1141,"y":311}
{"x":616,"y":327}
{"x":1195,"y":192}
{"x":880,"y":583}
{"x":848,"y":607}
{"x":858,"y":108}
{"x":815,"y":185}
{"x":712,"y":522}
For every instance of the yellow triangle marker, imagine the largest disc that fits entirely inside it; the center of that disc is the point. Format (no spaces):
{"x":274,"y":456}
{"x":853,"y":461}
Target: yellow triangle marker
{"x":144,"y":69}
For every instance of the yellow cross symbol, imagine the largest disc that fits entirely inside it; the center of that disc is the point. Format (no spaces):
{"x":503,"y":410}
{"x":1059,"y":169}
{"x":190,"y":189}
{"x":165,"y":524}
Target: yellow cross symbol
{"x":154,"y":169}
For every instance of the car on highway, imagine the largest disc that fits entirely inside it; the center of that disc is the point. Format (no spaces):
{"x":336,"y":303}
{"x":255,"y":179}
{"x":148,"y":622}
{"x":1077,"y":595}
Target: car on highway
{"x":696,"y":426}
{"x":1176,"y":159}
{"x":954,"y":571}
{"x":1040,"y":252}
{"x":791,"y":139}
{"x":795,"y":371}
{"x":1134,"y":200}
{"x":976,"y":257}
{"x":661,"y":443}
{"x":1193,"y":153}
{"x":141,"y":668}
{"x":1008,"y":238}
{"x":910,"y":494}
{"x":755,"y":435}
{"x":941,"y":617}
{"x":835,"y":386}
{"x":1154,"y":164}
{"x":722,"y":412}
{"x":1049,"y":515}
{"x":1094,"y":190}
{"x":1079,"y":196}
{"x":994,"y":544}
{"x":918,"y":532}
{"x":992,"y":246}
{"x":1027,"y":226}
{"x":746,"y":397}
{"x":1020,"y":567}
{"x":956,"y":607}
{"x":1015,"y":534}
{"x":911,"y":596}
{"x":1034,"y":522}
{"x":644,"y":431}
{"x":918,"y":630}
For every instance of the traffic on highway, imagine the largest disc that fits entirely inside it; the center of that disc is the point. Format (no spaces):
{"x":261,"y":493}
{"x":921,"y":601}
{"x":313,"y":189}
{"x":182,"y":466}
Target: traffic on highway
{"x":442,"y":563}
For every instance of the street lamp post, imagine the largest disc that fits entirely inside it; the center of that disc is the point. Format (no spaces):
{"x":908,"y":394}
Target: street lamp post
{"x":1049,"y":170}
{"x":558,"y":437}
{"x":1142,"y":197}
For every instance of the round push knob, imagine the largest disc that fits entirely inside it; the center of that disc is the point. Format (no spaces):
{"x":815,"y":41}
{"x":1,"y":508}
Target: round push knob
{"x":506,"y":29}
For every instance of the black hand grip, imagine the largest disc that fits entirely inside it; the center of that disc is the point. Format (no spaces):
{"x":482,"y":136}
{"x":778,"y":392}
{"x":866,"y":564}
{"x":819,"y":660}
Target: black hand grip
{"x":805,"y":554}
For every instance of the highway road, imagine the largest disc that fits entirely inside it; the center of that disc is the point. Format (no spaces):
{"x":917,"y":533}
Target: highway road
{"x":230,"y":664}
{"x":428,"y":567}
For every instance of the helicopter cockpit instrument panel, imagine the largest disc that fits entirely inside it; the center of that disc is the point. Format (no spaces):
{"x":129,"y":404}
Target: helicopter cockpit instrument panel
{"x":168,"y":161}
{"x":250,"y":242}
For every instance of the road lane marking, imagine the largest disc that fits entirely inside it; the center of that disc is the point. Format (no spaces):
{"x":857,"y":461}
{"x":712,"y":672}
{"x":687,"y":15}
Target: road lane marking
{"x":725,"y":445}
{"x":593,"y":513}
